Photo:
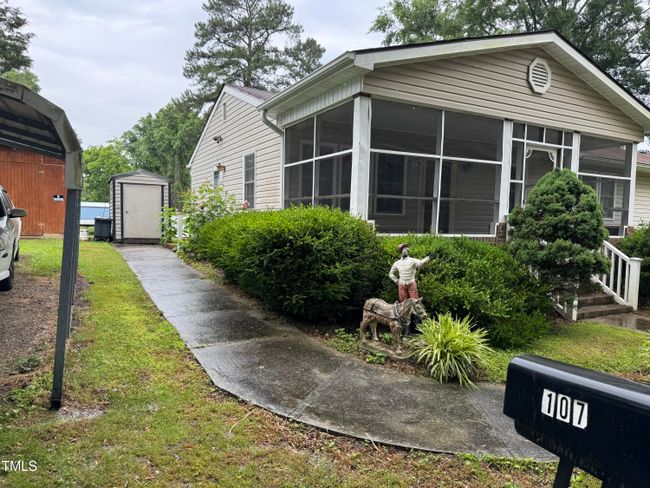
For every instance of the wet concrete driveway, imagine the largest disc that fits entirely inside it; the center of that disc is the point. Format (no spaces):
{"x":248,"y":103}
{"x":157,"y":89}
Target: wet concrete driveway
{"x":279,"y":368}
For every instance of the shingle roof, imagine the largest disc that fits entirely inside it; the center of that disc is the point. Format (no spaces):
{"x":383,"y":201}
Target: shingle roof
{"x":254,"y":92}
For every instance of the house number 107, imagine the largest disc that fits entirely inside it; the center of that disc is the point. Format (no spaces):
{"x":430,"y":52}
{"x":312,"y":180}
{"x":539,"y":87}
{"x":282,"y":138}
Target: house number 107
{"x":565,"y":409}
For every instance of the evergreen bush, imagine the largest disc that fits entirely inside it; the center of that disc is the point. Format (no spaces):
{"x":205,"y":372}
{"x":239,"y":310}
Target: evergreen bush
{"x":559,"y":231}
{"x":317,"y":263}
{"x":307,"y":263}
{"x":470,"y":277}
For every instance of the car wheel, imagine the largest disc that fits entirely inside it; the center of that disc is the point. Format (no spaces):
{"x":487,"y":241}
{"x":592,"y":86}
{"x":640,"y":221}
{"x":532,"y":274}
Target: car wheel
{"x":8,"y":283}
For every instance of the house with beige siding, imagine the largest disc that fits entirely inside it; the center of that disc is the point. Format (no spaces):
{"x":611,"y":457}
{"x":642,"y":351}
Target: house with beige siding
{"x":238,"y":151}
{"x":642,"y":190}
{"x":444,"y":137}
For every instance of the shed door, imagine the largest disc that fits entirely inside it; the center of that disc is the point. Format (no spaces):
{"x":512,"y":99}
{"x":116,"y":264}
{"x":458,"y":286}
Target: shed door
{"x":142,"y":205}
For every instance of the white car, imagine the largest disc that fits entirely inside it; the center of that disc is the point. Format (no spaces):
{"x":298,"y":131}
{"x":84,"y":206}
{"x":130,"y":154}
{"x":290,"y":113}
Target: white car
{"x":10,"y":226}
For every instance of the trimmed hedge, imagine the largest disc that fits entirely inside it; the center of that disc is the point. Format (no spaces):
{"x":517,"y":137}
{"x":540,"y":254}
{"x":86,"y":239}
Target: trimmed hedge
{"x":317,"y":263}
{"x":479,"y":279}
{"x":307,"y":263}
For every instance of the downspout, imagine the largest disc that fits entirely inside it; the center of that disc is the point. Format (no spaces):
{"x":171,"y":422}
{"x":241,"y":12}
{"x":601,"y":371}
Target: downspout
{"x":270,"y":124}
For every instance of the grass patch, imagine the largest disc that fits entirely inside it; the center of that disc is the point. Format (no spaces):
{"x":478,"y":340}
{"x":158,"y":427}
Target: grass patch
{"x":595,"y":346}
{"x":40,"y":257}
{"x":145,"y":413}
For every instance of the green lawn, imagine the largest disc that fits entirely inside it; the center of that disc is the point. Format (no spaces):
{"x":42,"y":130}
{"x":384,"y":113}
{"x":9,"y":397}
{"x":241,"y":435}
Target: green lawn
{"x":162,"y":422}
{"x":596,"y":346}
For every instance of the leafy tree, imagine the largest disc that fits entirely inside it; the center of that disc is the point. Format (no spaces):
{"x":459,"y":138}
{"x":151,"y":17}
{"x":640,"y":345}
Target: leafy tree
{"x":558,"y":230}
{"x":163,"y":142}
{"x":614,"y":33}
{"x":13,"y":40}
{"x":102,"y":162}
{"x":24,"y":77}
{"x":239,"y":43}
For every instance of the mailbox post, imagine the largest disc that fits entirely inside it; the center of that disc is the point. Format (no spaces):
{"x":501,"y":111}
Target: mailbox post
{"x":594,"y":421}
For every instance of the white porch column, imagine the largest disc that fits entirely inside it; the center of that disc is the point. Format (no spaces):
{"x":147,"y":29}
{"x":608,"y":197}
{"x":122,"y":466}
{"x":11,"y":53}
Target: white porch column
{"x":630,"y":204}
{"x":575,"y":153}
{"x":506,"y":162}
{"x":360,"y":157}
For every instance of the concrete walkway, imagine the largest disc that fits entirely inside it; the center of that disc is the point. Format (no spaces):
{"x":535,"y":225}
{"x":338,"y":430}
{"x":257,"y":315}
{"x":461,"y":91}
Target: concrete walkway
{"x":279,"y":368}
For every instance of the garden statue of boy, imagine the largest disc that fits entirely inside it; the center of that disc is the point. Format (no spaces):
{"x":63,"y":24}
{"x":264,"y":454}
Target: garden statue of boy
{"x":407,"y":267}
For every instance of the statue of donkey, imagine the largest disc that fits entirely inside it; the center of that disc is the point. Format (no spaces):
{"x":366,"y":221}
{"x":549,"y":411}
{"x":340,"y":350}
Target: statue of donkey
{"x":395,"y":315}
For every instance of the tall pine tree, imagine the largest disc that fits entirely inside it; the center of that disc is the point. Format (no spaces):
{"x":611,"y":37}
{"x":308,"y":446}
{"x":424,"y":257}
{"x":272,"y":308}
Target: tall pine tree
{"x":252,"y":43}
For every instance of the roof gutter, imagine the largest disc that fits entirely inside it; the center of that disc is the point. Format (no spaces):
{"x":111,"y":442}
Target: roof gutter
{"x":343,"y":61}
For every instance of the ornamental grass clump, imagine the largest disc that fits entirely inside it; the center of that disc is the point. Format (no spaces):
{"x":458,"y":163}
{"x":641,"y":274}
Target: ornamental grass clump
{"x":451,"y":349}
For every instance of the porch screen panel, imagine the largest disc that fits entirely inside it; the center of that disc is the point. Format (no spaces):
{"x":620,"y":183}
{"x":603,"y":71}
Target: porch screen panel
{"x":614,"y":195}
{"x":334,"y":130}
{"x":402,"y":193}
{"x":299,"y":141}
{"x":298,"y":184}
{"x":603,"y":157}
{"x":473,"y":136}
{"x":318,"y":159}
{"x":606,"y":166}
{"x":405,"y":128}
{"x":333,"y":179}
{"x":469,"y":198}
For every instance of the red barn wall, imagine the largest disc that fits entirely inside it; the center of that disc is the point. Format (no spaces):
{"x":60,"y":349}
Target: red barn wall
{"x":32,"y":181}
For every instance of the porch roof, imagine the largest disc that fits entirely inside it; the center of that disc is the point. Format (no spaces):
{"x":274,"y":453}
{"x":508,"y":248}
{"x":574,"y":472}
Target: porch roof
{"x":352,"y":64}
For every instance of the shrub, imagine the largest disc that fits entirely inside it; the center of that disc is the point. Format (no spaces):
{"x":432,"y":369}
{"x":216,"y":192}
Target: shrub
{"x":470,"y":277}
{"x":205,"y":204}
{"x":637,"y":244}
{"x":307,"y":263}
{"x":558,"y":230}
{"x":168,"y":225}
{"x":451,"y":349}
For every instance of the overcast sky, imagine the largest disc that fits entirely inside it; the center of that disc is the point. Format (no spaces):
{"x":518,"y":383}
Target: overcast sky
{"x":109,"y":62}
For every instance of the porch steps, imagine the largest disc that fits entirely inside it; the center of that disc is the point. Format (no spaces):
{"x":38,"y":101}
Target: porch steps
{"x":599,"y":304}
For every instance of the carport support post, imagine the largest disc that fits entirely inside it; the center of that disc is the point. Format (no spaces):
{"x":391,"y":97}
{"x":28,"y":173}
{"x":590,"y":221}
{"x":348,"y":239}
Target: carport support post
{"x":66,"y":291}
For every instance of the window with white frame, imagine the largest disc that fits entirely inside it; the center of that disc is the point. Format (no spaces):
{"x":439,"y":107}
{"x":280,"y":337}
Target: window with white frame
{"x":433,"y":170}
{"x":318,"y":159}
{"x":606,"y":166}
{"x":249,"y":179}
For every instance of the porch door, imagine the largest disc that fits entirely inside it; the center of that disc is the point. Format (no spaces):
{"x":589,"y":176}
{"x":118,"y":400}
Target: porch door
{"x":538,"y":163}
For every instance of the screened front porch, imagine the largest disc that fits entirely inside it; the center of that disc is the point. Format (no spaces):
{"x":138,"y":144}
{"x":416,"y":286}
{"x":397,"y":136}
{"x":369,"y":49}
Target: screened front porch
{"x":411,"y":168}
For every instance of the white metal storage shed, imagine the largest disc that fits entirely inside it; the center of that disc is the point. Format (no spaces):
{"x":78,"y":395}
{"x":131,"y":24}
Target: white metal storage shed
{"x":136,"y":201}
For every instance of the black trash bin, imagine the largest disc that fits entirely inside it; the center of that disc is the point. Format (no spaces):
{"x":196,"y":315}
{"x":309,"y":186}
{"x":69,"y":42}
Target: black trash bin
{"x":103,"y":229}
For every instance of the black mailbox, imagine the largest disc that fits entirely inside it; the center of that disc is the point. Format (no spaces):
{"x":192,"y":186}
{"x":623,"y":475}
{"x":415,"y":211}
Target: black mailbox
{"x":591,"y":420}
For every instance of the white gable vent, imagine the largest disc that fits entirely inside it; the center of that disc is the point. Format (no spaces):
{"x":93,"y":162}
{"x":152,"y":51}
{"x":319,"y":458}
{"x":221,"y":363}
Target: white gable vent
{"x":539,"y":75}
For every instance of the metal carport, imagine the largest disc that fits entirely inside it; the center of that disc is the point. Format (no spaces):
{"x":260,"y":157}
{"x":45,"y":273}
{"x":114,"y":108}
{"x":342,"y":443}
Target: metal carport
{"x":30,"y":122}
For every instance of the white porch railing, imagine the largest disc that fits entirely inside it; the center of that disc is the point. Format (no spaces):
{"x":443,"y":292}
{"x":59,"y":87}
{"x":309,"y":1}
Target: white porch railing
{"x":622,"y":281}
{"x":568,"y":310}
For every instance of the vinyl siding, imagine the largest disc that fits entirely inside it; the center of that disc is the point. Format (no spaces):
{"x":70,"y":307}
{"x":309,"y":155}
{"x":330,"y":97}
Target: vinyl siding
{"x":642,"y":199}
{"x":115,"y":199}
{"x":497,"y":85}
{"x":243,"y":132}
